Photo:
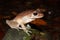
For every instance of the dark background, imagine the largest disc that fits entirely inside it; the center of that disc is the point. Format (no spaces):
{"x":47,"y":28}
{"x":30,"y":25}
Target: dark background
{"x":53,"y":19}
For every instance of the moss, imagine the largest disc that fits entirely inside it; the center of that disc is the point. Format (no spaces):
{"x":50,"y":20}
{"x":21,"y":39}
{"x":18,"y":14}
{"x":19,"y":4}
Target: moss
{"x":13,"y":34}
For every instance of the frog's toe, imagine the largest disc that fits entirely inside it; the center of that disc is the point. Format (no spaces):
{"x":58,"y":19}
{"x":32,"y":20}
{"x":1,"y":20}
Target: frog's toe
{"x":30,"y":31}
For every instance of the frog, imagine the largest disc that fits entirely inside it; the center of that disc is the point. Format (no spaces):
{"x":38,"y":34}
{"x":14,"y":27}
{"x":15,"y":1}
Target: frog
{"x":23,"y":18}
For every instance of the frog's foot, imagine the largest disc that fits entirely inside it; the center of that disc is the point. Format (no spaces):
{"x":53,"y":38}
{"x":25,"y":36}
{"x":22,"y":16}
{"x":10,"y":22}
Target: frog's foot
{"x":28,"y":34}
{"x":26,"y":31}
{"x":30,"y":31}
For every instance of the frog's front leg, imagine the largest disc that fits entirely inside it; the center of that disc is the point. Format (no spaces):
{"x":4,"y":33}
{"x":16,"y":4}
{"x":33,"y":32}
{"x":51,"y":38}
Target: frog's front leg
{"x":23,"y":27}
{"x":28,"y":27}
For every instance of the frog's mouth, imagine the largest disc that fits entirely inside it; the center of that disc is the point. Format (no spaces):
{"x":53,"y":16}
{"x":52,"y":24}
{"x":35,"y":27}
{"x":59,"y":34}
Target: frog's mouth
{"x":36,"y":17}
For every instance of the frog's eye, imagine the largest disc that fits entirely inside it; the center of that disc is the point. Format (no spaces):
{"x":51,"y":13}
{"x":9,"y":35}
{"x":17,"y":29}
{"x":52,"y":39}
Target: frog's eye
{"x":35,"y":14}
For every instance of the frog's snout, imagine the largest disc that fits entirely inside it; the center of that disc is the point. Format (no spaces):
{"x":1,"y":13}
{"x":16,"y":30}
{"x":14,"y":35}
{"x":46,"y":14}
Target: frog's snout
{"x":41,"y":15}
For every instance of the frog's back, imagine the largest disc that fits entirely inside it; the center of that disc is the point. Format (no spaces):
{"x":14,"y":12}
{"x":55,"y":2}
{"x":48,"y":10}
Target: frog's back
{"x":22,"y":14}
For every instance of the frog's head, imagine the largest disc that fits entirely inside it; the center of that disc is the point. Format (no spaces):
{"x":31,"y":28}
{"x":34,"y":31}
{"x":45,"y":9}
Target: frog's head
{"x":36,"y":14}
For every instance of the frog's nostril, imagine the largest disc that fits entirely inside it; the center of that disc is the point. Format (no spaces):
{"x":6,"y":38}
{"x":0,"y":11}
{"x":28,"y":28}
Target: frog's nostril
{"x":35,"y":14}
